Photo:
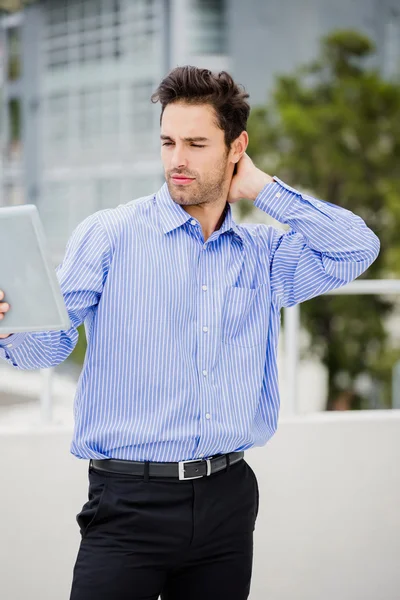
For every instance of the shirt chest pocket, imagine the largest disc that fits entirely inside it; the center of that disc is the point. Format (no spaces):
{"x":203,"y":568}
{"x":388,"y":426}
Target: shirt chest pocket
{"x":245,"y":316}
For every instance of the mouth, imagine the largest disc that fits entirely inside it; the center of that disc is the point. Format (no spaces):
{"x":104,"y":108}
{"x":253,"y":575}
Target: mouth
{"x":181,"y":180}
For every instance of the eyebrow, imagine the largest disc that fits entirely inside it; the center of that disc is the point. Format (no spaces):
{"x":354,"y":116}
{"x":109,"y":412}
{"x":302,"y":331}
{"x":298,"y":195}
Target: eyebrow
{"x":186,"y":139}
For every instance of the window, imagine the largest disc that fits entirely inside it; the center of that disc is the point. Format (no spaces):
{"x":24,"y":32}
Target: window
{"x":391,"y":65}
{"x":110,"y":113}
{"x":82,"y":201}
{"x":89,"y":115}
{"x":143,"y":117}
{"x":207,"y":27}
{"x":56,"y":124}
{"x":134,"y":188}
{"x":98,"y":112}
{"x":143,"y":109}
{"x":108,"y":193}
{"x":142,"y":14}
{"x":54,"y":208}
{"x":57,"y":115}
{"x":82,"y":32}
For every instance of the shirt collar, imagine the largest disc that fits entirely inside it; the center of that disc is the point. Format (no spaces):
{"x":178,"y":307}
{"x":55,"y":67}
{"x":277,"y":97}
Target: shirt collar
{"x":173,"y":216}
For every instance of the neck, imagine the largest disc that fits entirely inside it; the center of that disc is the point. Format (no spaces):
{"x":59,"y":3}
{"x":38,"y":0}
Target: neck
{"x":210,"y":216}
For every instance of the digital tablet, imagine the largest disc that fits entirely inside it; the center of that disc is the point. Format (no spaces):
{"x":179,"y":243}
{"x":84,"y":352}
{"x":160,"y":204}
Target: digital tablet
{"x":27,"y":276}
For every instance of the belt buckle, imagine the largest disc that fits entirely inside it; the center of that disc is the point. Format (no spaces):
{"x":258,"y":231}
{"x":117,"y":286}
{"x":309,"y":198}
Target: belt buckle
{"x":181,"y":468}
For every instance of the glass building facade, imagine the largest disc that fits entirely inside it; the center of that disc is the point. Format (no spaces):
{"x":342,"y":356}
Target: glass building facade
{"x":78,"y":132}
{"x":93,"y":133}
{"x":101,"y":61}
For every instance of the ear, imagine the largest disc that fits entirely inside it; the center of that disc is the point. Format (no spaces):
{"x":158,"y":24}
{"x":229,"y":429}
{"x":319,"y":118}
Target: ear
{"x":239,"y":147}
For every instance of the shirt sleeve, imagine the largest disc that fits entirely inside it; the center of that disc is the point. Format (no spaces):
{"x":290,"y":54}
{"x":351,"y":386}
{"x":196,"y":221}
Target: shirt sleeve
{"x":326,"y":246}
{"x":81,"y":276}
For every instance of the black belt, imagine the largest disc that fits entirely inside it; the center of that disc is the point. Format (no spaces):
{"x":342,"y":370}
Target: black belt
{"x":185,"y":469}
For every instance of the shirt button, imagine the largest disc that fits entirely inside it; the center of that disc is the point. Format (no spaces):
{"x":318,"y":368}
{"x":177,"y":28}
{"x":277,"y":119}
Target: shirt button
{"x":193,"y":222}
{"x":278,"y":195}
{"x":318,"y":205}
{"x":208,"y":416}
{"x":204,"y":246}
{"x":205,"y":373}
{"x":204,"y":288}
{"x":205,"y":329}
{"x":9,"y":345}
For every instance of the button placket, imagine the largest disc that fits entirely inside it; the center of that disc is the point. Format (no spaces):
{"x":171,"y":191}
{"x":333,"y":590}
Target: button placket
{"x":205,"y":328}
{"x":208,"y":321}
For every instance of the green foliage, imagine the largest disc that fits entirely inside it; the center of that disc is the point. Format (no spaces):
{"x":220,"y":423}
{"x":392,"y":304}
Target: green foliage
{"x":78,"y":353}
{"x":14,"y":53}
{"x":333,"y":129}
{"x":10,"y":6}
{"x":15,"y":120}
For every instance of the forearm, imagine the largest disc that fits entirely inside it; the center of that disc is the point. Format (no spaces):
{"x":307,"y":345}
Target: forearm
{"x":81,"y":276}
{"x":344,"y":242}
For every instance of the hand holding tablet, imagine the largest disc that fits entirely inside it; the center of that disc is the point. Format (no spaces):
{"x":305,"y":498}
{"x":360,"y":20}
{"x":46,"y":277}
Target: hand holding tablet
{"x":32,"y":298}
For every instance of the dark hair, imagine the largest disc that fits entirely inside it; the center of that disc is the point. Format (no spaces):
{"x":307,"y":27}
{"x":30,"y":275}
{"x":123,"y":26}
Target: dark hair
{"x":200,"y":86}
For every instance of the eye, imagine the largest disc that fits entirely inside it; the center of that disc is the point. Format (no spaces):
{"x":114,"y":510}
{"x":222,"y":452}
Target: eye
{"x":197,"y":146}
{"x":167,"y":144}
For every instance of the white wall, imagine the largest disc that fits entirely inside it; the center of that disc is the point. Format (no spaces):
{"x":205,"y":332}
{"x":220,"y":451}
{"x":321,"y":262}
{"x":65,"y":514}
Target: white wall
{"x":329,"y":522}
{"x":328,"y":526}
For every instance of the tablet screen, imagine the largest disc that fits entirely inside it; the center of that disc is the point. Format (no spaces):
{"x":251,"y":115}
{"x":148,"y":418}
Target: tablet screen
{"x":27,"y":277}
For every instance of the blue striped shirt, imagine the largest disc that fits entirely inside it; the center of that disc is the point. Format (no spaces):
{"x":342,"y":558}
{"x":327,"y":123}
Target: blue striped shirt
{"x":182,"y":335}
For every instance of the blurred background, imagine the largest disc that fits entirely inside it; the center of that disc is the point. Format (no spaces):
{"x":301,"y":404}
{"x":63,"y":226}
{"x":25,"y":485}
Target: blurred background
{"x":78,"y":134}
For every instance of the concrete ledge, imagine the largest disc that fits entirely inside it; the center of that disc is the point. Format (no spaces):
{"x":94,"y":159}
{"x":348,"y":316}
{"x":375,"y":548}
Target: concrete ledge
{"x":328,"y":524}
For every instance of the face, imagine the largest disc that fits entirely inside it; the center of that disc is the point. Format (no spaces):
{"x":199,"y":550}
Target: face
{"x":197,"y":164}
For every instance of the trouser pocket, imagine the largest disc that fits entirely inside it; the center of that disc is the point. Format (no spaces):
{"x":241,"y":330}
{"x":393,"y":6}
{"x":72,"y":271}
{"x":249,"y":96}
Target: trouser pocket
{"x":256,"y":492}
{"x":93,"y":511}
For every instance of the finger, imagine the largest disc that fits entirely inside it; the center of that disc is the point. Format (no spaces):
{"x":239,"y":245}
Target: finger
{"x":1,"y":294}
{"x":4,"y":307}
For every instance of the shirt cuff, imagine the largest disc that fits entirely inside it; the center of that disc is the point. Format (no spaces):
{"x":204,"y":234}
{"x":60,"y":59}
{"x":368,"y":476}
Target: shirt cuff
{"x":13,"y":341}
{"x":276,"y":198}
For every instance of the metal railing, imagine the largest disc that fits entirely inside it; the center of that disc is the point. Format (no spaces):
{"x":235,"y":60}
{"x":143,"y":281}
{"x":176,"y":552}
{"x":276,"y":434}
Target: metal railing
{"x":292,"y":330}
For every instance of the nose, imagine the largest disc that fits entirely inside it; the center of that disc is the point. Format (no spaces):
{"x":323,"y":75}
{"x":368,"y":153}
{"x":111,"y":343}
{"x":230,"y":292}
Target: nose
{"x":179,"y":159}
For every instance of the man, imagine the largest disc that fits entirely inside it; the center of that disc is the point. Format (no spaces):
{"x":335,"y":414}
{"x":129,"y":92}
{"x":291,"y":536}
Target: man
{"x":181,"y":307}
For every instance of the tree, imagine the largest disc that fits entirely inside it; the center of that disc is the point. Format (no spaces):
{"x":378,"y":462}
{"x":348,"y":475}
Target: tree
{"x":333,"y":128}
{"x":10,"y":6}
{"x":78,"y":353}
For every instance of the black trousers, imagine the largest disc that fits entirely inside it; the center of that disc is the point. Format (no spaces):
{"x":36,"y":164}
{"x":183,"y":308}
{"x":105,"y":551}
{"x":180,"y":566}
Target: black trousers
{"x":181,"y":540}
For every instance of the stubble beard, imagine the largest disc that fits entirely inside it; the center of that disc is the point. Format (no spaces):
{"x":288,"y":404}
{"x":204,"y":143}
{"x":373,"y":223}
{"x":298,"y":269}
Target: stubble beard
{"x":205,"y":192}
